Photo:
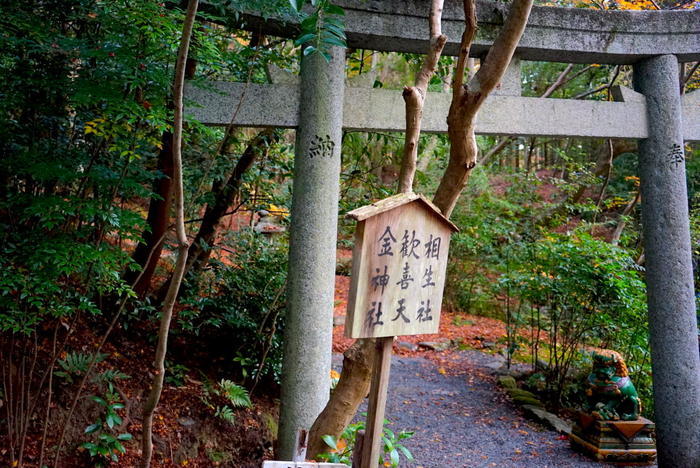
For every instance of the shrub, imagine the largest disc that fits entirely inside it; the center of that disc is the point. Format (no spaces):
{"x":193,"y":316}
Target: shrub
{"x":244,"y":299}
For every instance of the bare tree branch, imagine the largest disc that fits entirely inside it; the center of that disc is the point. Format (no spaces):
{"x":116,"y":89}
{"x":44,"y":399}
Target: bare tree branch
{"x":466,"y":100}
{"x":183,"y":245}
{"x":501,"y":52}
{"x":558,"y":82}
{"x":414,"y":97}
{"x":615,"y":239}
{"x":465,"y":45}
{"x":600,"y":88}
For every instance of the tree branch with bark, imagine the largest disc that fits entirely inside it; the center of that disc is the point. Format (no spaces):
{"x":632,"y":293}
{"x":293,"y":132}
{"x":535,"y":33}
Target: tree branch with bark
{"x":468,"y":99}
{"x":183,"y":245}
{"x":414,"y":97}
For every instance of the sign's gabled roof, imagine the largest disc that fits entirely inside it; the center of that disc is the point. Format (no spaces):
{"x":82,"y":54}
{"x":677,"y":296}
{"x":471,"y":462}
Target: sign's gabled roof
{"x":387,"y":204}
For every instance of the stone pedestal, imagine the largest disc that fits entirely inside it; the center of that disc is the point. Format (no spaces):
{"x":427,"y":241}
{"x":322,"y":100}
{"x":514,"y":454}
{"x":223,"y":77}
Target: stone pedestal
{"x":615,"y":441}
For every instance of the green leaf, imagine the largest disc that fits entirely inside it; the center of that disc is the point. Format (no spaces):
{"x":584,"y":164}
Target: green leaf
{"x":406,"y":453}
{"x":394,"y":456}
{"x":330,"y":441}
{"x":109,"y":438}
{"x":332,"y":29}
{"x":309,"y":24}
{"x":89,"y":445}
{"x":93,"y":428}
{"x":334,"y":10}
{"x":99,"y":400}
{"x":309,"y":50}
{"x":126,"y":436}
{"x":334,"y":41}
{"x":304,"y":39}
{"x":110,"y":420}
{"x":388,"y":444}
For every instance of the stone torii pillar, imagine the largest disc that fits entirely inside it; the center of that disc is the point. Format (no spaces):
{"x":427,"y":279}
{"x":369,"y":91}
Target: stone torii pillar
{"x":669,"y":272}
{"x":312,"y":247}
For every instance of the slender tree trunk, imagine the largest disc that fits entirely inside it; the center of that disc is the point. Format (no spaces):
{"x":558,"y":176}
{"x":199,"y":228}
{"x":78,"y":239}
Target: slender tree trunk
{"x":467,"y":99}
{"x":414,"y":97}
{"x":167,"y":311}
{"x":615,"y":239}
{"x":158,"y":221}
{"x":606,"y":157}
{"x":224,"y":195}
{"x":530,"y":152}
{"x":351,"y":389}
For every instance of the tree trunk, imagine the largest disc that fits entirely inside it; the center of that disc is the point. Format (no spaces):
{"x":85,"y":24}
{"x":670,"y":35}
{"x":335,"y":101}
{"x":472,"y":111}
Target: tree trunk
{"x":167,"y":311}
{"x":224,"y":195}
{"x":615,"y":238}
{"x":158,"y":220}
{"x":467,"y":99}
{"x":604,"y":161}
{"x":351,"y":389}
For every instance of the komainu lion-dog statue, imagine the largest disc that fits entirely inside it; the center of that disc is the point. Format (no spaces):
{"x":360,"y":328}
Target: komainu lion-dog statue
{"x":611,"y":393}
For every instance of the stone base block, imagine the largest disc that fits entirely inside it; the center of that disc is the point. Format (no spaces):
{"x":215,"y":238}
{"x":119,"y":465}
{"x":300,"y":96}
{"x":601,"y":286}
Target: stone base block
{"x":629,"y":442}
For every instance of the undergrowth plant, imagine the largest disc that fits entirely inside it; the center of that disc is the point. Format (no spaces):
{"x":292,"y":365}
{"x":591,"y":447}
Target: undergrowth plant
{"x":392,"y":446}
{"x":243,"y":298}
{"x":106,"y":446}
{"x":234,"y":396}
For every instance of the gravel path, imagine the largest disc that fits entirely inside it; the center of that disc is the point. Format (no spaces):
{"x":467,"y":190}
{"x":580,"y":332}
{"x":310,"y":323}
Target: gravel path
{"x":461,"y":418}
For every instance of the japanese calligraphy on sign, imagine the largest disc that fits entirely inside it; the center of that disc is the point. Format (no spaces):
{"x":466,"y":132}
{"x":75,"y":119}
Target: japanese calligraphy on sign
{"x":399,"y":264}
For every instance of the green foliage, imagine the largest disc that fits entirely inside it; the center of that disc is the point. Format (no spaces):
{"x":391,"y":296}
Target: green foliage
{"x":483,"y":239}
{"x":233,"y":394}
{"x":581,"y":291}
{"x":392,"y":448}
{"x":175,"y":373}
{"x":76,"y":364}
{"x":244,"y":299}
{"x":322,"y":29}
{"x":106,"y":445}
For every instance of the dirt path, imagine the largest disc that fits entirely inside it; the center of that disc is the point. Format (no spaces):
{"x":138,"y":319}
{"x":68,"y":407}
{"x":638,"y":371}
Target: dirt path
{"x":461,"y":418}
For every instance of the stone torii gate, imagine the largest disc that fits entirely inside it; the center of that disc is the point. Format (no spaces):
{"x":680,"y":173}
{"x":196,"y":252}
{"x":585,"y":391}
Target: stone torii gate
{"x":320,"y":106}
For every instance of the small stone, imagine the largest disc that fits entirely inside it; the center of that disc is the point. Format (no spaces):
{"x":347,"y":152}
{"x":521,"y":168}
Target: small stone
{"x":406,"y":346}
{"x":435,"y":345}
{"x":494,"y":366}
{"x":488,"y":344}
{"x":185,"y":421}
{"x":507,"y":381}
{"x":338,"y":320}
{"x":548,"y":418}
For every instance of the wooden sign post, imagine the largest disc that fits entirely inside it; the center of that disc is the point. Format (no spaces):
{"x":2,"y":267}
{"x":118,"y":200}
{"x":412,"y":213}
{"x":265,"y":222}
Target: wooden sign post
{"x":398,"y":276}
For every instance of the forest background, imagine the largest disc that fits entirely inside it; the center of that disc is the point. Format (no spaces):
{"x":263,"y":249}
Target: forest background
{"x":549,"y":243}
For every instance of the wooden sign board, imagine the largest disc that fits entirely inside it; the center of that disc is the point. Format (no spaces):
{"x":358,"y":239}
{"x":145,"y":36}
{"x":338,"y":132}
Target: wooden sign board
{"x":398,"y":268}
